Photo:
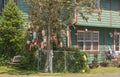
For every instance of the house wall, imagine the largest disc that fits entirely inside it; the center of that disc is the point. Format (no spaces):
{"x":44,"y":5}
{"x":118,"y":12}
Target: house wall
{"x":110,"y":15}
{"x":105,"y":40}
{"x":24,"y":8}
{"x":110,"y":21}
{"x":115,"y":13}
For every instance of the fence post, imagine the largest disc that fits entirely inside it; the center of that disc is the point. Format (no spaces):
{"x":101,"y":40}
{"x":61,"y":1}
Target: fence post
{"x":38,"y":64}
{"x":65,"y":61}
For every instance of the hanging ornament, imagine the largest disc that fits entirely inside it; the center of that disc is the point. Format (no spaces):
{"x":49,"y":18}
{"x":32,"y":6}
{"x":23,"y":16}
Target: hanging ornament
{"x":42,"y":45}
{"x":33,"y":40}
{"x":53,"y":34}
{"x":61,"y":44}
{"x":28,"y":41}
{"x":39,"y":47}
{"x":56,"y":41}
{"x":34,"y":35}
{"x":37,"y":42}
{"x":31,"y":30}
{"x":31,"y":47}
{"x":67,"y":33}
{"x":43,"y":32}
{"x":37,"y":29}
{"x":44,"y":39}
{"x":45,"y":44}
{"x":29,"y":27}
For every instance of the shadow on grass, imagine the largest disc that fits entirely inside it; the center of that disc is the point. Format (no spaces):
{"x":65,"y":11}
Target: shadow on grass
{"x":16,"y":71}
{"x":21,"y":72}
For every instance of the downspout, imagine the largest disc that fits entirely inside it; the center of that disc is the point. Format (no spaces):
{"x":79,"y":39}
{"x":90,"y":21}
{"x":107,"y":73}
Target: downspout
{"x":110,"y":13}
{"x":76,"y":14}
{"x":119,"y":7}
{"x":104,"y":44}
{"x":76,"y":22}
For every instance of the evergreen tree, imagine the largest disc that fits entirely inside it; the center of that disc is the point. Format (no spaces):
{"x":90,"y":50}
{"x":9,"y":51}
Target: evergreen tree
{"x":11,"y":30}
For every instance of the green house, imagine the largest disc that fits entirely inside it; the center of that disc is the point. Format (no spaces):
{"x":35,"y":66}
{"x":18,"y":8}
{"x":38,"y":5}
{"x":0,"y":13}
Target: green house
{"x":98,"y":37}
{"x":20,"y":3}
{"x":93,"y":37}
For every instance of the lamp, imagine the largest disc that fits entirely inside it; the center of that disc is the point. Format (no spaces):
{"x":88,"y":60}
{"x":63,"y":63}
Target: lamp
{"x":86,"y":29}
{"x":111,"y":35}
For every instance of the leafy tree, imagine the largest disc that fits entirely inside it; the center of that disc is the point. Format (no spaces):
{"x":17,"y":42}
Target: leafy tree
{"x":11,"y":34}
{"x":56,"y":15}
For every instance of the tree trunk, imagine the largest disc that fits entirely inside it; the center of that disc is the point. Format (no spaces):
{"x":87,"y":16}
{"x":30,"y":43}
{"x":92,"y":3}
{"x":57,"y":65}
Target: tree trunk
{"x":48,"y":65}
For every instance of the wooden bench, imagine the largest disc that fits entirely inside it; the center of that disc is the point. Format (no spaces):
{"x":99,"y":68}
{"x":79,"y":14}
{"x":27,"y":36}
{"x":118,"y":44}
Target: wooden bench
{"x":16,"y":60}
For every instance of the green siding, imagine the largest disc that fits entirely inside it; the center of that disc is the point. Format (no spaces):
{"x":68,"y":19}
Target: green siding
{"x":102,"y":43}
{"x":115,"y":13}
{"x":109,"y":40}
{"x":107,"y":25}
{"x":105,"y":41}
{"x":73,"y":37}
{"x":105,"y":16}
{"x":91,"y":58}
{"x":93,"y":21}
{"x":24,"y":8}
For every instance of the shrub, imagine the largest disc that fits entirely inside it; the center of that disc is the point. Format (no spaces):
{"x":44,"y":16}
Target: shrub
{"x":64,"y":60}
{"x":76,"y":61}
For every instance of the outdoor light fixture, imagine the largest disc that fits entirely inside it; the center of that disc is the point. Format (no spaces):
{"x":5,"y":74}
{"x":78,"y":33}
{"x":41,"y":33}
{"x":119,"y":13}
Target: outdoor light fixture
{"x":111,"y":35}
{"x":86,"y":29}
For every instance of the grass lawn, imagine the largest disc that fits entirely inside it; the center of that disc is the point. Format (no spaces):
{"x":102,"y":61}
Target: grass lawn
{"x":104,"y":70}
{"x":14,"y":71}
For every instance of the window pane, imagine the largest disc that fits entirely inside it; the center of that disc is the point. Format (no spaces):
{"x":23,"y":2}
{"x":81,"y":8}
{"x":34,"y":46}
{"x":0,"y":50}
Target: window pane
{"x":80,"y":35}
{"x":95,"y":36}
{"x":5,"y":1}
{"x":88,"y":36}
{"x":88,"y":46}
{"x":80,"y":44}
{"x":95,"y":45}
{"x":98,"y":4}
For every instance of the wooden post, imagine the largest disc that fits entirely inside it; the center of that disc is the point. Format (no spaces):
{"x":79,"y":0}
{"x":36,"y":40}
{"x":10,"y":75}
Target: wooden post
{"x":65,"y":68}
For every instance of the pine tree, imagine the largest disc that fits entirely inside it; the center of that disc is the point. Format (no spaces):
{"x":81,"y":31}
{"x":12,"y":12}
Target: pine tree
{"x":11,"y":29}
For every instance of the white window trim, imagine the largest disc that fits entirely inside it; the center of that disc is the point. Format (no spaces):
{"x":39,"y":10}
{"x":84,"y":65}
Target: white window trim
{"x":114,"y":41}
{"x":88,"y":40}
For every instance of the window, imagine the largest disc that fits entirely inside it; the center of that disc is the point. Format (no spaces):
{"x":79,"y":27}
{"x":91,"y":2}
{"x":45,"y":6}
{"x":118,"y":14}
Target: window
{"x":3,"y":3}
{"x":88,"y":40}
{"x":98,"y":4}
{"x":96,"y":9}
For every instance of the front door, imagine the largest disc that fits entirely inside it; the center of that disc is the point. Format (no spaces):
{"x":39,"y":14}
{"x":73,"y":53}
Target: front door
{"x":117,"y":41}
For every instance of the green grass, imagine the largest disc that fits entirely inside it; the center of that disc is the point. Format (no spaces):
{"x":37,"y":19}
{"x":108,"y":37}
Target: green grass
{"x":105,"y":70}
{"x":15,"y":71}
